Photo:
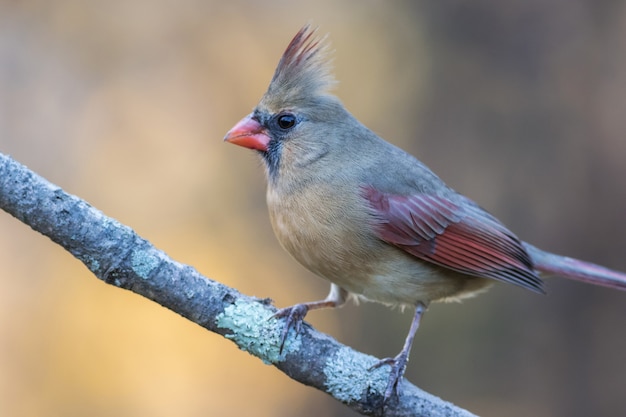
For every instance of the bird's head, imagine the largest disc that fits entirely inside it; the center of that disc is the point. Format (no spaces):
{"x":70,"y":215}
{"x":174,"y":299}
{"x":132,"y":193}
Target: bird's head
{"x":294,"y":124}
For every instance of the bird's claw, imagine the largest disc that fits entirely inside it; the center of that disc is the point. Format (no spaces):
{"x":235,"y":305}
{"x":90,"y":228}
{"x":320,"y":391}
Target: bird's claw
{"x":295,"y":315}
{"x":398,"y":365}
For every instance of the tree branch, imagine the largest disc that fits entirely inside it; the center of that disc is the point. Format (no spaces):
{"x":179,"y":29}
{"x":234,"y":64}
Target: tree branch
{"x":118,"y":256}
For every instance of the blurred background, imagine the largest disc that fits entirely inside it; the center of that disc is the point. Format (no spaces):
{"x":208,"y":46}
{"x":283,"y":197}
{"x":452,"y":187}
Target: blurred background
{"x":518,"y":104}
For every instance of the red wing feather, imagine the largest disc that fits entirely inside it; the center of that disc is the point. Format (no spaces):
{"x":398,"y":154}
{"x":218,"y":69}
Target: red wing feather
{"x":464,"y":238}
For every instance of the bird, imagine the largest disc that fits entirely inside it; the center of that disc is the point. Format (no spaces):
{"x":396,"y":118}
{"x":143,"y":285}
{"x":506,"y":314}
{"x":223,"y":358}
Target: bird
{"x":369,"y":217}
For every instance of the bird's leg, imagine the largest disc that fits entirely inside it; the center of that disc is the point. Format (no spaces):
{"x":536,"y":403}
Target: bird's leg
{"x":398,"y":364}
{"x":296,"y":313}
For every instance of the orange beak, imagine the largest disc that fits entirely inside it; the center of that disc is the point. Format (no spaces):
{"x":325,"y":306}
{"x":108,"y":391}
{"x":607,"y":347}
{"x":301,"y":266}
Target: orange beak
{"x":248,"y":133}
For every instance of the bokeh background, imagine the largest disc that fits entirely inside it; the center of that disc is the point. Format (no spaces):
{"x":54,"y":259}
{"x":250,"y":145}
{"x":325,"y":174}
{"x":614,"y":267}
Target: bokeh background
{"x":519,"y":104}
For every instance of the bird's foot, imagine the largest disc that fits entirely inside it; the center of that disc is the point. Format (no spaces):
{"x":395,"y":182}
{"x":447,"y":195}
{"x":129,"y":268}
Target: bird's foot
{"x":398,"y":365}
{"x":295,"y":315}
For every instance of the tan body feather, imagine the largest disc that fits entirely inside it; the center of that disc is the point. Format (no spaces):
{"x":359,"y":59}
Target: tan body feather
{"x":327,"y":227}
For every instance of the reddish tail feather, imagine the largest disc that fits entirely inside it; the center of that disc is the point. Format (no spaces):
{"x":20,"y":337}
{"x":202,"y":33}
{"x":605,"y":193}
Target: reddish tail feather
{"x":575,"y":269}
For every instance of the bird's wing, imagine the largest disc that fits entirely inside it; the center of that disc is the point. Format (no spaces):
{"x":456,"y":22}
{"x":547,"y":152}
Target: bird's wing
{"x":462,"y":237}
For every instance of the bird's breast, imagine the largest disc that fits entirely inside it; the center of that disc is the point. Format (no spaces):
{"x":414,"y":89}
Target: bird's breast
{"x":325,"y":231}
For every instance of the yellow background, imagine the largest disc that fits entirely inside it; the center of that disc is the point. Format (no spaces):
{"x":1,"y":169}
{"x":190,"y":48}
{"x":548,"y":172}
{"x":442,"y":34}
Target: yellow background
{"x":519,"y":105}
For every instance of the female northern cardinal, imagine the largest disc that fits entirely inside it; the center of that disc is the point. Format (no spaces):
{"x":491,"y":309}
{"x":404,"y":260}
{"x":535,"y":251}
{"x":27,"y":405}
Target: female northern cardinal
{"x":370,"y":218}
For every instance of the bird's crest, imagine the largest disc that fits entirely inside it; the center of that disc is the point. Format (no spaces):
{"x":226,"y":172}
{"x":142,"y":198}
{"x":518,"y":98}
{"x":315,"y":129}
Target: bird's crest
{"x":304,"y":70}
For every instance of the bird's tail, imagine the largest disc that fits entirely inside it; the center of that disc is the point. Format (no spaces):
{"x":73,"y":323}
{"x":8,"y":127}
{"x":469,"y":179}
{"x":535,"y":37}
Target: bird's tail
{"x":575,"y":269}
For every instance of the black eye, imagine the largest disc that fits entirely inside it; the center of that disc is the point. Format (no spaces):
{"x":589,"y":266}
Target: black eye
{"x":286,"y":121}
